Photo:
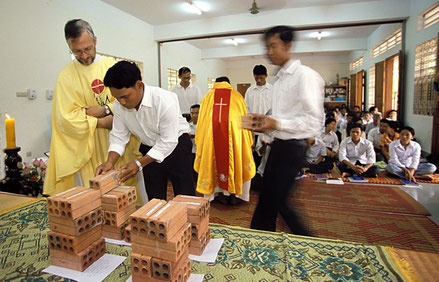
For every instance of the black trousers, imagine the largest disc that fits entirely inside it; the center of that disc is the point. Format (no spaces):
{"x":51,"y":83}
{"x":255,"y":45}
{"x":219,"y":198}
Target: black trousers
{"x":322,"y":167}
{"x":371,"y":172}
{"x":177,"y":167}
{"x":286,"y":159}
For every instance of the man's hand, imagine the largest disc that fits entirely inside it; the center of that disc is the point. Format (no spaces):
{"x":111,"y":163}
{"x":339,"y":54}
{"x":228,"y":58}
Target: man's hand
{"x":105,"y":122}
{"x":409,"y":174}
{"x":127,"y":171}
{"x":258,"y":123}
{"x":103,"y":168}
{"x":95,"y":111}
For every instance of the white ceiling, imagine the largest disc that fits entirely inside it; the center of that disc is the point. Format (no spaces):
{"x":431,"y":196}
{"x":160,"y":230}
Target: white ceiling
{"x":334,"y":33}
{"x":160,"y":12}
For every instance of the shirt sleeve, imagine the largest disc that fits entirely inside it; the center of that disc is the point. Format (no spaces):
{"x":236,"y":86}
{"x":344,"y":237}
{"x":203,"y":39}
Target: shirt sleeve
{"x":342,"y":153}
{"x":323,"y":150}
{"x":168,"y":128}
{"x":370,"y":153}
{"x":311,"y":90}
{"x":119,"y":134}
{"x":416,"y":156}
{"x":336,"y":144}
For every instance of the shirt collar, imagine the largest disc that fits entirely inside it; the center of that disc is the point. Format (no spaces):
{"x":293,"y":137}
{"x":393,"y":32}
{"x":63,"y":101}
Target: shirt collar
{"x":400,"y":145}
{"x":222,"y":85}
{"x":263,"y":87}
{"x":146,"y":100}
{"x":190,"y":85}
{"x":288,"y":68}
{"x":362,"y":140}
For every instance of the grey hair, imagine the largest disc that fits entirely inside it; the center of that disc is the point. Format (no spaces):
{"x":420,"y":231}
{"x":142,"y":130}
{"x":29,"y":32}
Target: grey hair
{"x":74,"y":28}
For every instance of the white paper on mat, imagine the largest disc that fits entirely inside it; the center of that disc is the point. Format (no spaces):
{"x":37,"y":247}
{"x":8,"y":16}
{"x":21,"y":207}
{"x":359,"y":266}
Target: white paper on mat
{"x":335,"y":181}
{"x":117,"y":242}
{"x":193,"y":278}
{"x":98,"y":271}
{"x":210,"y":252}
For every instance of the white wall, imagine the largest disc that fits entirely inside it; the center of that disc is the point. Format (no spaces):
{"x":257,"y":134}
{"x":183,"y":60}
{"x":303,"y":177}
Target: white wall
{"x":178,"y":54}
{"x":34,"y":50}
{"x":422,"y":124}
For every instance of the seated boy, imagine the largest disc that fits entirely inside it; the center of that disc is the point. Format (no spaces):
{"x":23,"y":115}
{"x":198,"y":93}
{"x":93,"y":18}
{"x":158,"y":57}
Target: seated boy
{"x":330,"y":139}
{"x":404,"y":157}
{"x":357,"y":155}
{"x":315,"y":155}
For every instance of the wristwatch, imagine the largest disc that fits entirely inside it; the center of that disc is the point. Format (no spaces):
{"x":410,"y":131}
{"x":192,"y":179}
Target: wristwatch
{"x":107,"y":110}
{"x":139,"y":165}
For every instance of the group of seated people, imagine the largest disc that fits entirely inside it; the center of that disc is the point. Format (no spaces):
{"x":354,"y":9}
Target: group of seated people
{"x":355,"y":141}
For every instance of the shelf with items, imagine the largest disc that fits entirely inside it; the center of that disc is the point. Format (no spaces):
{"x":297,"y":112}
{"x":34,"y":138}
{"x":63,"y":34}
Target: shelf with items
{"x":335,"y":93}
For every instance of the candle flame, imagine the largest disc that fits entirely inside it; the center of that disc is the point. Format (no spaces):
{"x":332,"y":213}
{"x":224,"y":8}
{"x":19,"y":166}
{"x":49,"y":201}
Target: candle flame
{"x":7,"y":116}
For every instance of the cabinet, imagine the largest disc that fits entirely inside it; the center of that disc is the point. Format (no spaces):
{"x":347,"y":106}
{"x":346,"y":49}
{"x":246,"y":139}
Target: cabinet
{"x":335,"y":95}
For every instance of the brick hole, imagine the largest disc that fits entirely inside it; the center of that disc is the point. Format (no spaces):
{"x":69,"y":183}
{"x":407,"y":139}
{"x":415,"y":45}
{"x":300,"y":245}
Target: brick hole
{"x":136,"y":269}
{"x":86,"y":218}
{"x":70,"y":241}
{"x":162,"y":236}
{"x":69,"y":206}
{"x":152,"y":233}
{"x":99,"y":212}
{"x":63,"y":213}
{"x":165,"y":275}
{"x":113,"y":216}
{"x":107,"y":222}
{"x":50,"y":210}
{"x":136,"y":260}
{"x":93,"y":223}
{"x":63,"y":205}
{"x":71,"y":249}
{"x":56,"y":211}
{"x":145,"y":271}
{"x":152,"y":224}
{"x":58,"y":246}
{"x":133,"y":220}
{"x":56,"y":203}
{"x":165,"y":267}
{"x":80,"y":222}
{"x":135,"y":229}
{"x":161,"y":226}
{"x":50,"y":237}
{"x":193,"y":228}
{"x":157,"y":274}
{"x":93,"y":215}
{"x":120,"y":206}
{"x":81,"y":230}
{"x":52,"y":245}
{"x":87,"y":226}
{"x":156,"y":265}
{"x":113,"y":222}
{"x":143,"y":231}
{"x":69,"y":214}
{"x":57,"y":238}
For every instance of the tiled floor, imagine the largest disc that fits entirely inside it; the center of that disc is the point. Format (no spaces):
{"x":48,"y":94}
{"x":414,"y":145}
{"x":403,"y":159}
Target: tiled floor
{"x":428,"y":196}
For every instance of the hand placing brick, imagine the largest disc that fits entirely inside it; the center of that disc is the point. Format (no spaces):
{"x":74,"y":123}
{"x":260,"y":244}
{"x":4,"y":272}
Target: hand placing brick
{"x":105,"y":182}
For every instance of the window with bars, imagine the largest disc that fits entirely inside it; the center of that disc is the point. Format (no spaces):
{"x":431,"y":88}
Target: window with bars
{"x":387,"y":44}
{"x":117,"y":59}
{"x":429,"y":17}
{"x":371,"y":91}
{"x":425,"y":70}
{"x":356,"y":64}
{"x":172,"y":78}
{"x":210,"y":82}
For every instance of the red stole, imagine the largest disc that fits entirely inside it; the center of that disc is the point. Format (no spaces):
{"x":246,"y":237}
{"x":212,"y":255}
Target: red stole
{"x":220,"y":128}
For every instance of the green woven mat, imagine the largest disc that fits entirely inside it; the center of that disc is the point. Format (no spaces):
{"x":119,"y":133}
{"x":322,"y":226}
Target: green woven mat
{"x":246,"y":255}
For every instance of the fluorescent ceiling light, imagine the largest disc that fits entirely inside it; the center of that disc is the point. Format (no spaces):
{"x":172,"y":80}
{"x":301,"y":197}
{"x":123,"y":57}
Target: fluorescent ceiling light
{"x":195,"y":8}
{"x":235,"y":41}
{"x":319,"y":34}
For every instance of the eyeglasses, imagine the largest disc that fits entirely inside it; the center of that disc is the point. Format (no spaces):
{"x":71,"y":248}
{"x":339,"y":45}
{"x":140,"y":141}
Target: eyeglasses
{"x":88,"y":51}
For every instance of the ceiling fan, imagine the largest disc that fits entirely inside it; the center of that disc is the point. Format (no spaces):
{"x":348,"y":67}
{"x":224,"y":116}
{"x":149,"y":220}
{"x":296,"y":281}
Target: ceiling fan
{"x":254,"y":9}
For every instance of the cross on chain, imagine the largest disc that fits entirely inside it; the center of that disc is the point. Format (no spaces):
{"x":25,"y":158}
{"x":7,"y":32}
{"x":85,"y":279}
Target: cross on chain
{"x":221,"y":107}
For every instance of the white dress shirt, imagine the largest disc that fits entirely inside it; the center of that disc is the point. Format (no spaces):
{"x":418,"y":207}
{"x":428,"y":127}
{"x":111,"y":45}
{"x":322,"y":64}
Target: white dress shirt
{"x":193,"y":129}
{"x":330,"y":140}
{"x":298,"y":102}
{"x":405,"y":157}
{"x":374,"y":136}
{"x":371,"y":126}
{"x":362,"y":152}
{"x":316,"y":151}
{"x":187,"y":97}
{"x":158,"y":123}
{"x":258,"y":98}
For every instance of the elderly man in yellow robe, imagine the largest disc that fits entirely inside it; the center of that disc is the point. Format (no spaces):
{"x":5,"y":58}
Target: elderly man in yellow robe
{"x":224,"y":159}
{"x":81,"y":115}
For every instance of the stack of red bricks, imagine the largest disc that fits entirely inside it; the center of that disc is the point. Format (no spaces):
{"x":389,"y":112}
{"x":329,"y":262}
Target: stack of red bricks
{"x":75,"y":221}
{"x":160,"y":236}
{"x":198,"y":215}
{"x":118,"y":203}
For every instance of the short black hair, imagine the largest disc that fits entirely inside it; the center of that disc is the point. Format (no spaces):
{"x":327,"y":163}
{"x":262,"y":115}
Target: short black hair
{"x":408,"y":128}
{"x":74,"y":28}
{"x":286,"y":33}
{"x":384,"y":120}
{"x":329,"y":120}
{"x":355,"y":107}
{"x":222,"y":79}
{"x":195,"y":106}
{"x":330,"y":115}
{"x":371,"y":109}
{"x":356,"y":125}
{"x":183,"y":70}
{"x":394,"y":125}
{"x":123,"y":74}
{"x":259,"y":70}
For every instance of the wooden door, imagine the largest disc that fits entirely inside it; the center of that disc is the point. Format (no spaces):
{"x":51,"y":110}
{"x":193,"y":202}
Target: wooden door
{"x":379,"y":86}
{"x":389,"y":86}
{"x":352,"y":91}
{"x":435,"y":133}
{"x":242,"y":88}
{"x":359,"y":92}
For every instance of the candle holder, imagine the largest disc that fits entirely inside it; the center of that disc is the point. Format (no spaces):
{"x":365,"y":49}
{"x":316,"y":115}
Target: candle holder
{"x":13,"y":180}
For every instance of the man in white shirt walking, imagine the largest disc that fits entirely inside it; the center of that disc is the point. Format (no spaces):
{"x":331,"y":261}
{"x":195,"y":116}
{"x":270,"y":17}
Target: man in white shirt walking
{"x":297,"y":114}
{"x":188,"y":94}
{"x":357,"y":155}
{"x":153,"y":115}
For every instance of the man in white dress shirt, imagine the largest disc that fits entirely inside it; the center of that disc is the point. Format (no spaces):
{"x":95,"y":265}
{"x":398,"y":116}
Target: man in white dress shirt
{"x":374,"y":124}
{"x":153,"y":115}
{"x":405,"y":155}
{"x":316,"y":157}
{"x":258,"y":100}
{"x":356,"y":155}
{"x":188,"y":94}
{"x":297,"y":114}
